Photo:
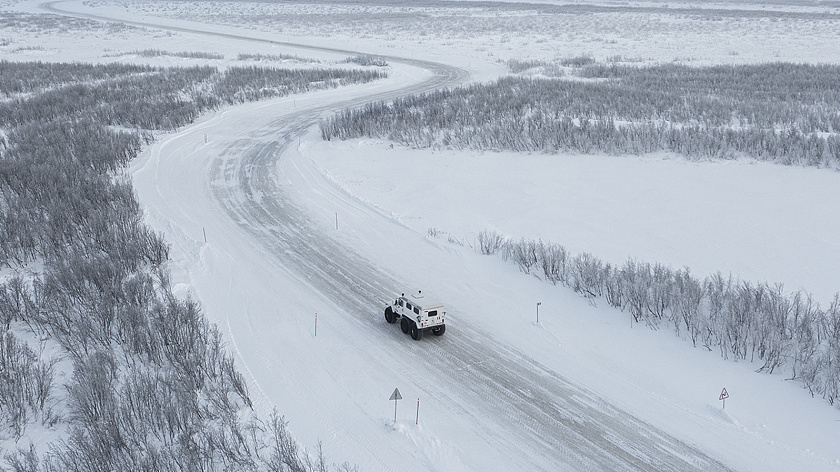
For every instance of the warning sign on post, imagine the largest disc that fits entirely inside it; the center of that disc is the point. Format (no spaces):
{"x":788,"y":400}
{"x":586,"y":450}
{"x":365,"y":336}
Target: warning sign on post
{"x":724,"y":394}
{"x":396,"y":396}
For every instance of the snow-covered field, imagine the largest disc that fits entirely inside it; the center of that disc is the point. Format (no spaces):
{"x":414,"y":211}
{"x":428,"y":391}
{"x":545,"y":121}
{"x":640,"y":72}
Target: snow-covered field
{"x":756,"y":220}
{"x":371,"y":205}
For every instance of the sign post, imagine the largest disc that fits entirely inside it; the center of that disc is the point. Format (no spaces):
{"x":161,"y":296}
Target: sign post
{"x":538,"y":311}
{"x":396,"y":396}
{"x":723,"y":396}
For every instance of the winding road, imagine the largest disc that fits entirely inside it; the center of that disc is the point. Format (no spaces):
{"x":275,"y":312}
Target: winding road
{"x":526,"y":413}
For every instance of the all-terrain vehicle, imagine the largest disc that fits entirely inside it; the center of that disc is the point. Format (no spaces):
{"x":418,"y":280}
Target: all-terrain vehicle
{"x":417,"y":315}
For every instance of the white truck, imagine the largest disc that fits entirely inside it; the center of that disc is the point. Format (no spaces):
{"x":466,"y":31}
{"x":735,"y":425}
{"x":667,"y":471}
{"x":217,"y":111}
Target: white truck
{"x":417,"y":315}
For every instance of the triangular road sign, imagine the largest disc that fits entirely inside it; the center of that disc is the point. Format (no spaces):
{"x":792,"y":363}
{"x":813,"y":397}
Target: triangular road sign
{"x":724,"y":395}
{"x":396,"y":395}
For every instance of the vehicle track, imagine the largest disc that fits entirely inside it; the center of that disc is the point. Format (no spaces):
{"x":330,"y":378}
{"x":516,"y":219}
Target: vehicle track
{"x":493,"y":383}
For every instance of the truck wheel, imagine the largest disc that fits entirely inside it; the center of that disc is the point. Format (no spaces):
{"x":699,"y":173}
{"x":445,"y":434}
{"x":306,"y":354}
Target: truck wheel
{"x":438,"y":331}
{"x":416,"y":334}
{"x":389,"y":315}
{"x":405,"y":326}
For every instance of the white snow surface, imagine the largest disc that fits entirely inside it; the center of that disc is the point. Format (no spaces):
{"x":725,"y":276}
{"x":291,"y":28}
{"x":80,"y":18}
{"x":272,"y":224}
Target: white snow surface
{"x":754,"y":220}
{"x":332,"y":380}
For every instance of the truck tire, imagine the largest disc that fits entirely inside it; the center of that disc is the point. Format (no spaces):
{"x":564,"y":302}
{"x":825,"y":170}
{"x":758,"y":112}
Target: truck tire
{"x":416,"y":333}
{"x":405,"y":326}
{"x":389,"y":315}
{"x":439,"y":330}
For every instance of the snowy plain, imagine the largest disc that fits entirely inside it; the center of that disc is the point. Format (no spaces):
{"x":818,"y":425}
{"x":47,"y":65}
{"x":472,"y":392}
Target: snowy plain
{"x":757,"y":221}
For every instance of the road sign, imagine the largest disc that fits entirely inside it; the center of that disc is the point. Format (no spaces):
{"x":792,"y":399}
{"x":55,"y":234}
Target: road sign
{"x":396,"y":396}
{"x":724,"y":395}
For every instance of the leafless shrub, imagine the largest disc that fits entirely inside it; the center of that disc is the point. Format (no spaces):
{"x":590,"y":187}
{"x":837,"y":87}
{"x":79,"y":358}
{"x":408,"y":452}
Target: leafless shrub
{"x":777,"y":112}
{"x":26,"y":386}
{"x":490,"y":242}
{"x":577,"y":61}
{"x":517,"y":66}
{"x":274,"y":57}
{"x":367,"y":60}
{"x":182,"y":54}
{"x":23,"y":460}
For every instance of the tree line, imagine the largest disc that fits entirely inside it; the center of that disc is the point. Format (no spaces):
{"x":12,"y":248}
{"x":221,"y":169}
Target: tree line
{"x":20,"y":77}
{"x":140,"y":97}
{"x":153,"y":386}
{"x":182,"y":54}
{"x":778,"y":112}
{"x":757,"y":322}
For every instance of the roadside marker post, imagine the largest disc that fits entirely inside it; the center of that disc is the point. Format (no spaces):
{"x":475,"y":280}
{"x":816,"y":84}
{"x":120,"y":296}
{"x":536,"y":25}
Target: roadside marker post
{"x":316,"y":324}
{"x":396,"y":396}
{"x":417,"y":418}
{"x":538,"y":311}
{"x":723,"y":396}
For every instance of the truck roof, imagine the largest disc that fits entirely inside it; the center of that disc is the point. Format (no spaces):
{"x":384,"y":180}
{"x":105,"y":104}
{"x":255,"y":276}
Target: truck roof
{"x":422,"y":302}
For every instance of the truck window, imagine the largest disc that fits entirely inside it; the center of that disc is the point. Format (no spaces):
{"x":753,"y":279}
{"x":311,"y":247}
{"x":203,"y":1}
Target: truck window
{"x":433,"y":313}
{"x":416,"y":310}
{"x":408,"y":305}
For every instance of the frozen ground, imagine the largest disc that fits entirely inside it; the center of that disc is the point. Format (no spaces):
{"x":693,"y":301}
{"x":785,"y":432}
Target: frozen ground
{"x":330,"y":228}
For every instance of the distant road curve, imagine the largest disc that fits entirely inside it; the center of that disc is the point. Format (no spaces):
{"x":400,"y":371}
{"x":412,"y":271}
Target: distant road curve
{"x":530,"y":406}
{"x":444,"y":75}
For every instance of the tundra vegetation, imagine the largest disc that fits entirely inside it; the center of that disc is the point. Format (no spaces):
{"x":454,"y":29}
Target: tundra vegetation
{"x":365,"y":60}
{"x":779,"y":112}
{"x":149,"y":383}
{"x":181,"y":54}
{"x":758,"y":322}
{"x":274,"y":57}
